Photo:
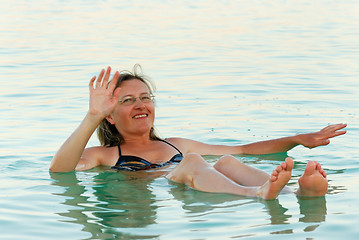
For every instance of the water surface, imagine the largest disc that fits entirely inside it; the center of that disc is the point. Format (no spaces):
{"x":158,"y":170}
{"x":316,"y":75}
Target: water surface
{"x":227,"y":72}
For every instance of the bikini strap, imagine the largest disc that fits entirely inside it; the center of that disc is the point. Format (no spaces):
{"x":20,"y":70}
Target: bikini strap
{"x":171,"y":145}
{"x":120,"y":154}
{"x":119,"y":151}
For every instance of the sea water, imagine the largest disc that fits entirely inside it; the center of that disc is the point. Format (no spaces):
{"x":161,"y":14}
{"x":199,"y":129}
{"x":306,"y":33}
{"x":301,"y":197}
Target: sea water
{"x":227,"y":72}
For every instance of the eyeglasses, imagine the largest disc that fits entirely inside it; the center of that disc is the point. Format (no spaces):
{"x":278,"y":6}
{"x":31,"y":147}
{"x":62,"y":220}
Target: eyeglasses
{"x":129,"y":100}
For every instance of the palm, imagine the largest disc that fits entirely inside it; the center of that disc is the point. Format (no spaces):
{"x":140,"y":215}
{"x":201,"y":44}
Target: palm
{"x":103,"y":99}
{"x":320,"y":138}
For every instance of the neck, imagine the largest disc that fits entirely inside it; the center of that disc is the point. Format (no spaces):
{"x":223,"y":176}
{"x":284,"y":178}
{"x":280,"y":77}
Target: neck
{"x":139,"y":139}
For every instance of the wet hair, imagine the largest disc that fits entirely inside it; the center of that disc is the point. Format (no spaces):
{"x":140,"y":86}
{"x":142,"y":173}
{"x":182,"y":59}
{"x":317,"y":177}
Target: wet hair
{"x":107,"y":133}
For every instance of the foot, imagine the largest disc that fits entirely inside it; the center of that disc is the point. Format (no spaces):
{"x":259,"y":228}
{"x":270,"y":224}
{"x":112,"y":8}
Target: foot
{"x":314,"y":181}
{"x":279,"y":178}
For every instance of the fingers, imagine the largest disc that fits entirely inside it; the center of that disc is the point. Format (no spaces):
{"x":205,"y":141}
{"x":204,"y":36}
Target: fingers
{"x":116,"y":94}
{"x":337,"y":127}
{"x":113,"y":81}
{"x":325,"y":139}
{"x":102,"y":82}
{"x":333,"y":130}
{"x":334,"y":127}
{"x":338,"y":133}
{"x":91,"y":82}
{"x":324,"y":142}
{"x":107,"y":76}
{"x":99,"y":79}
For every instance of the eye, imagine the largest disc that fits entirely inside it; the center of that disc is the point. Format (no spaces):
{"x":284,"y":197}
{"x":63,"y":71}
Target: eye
{"x":145,"y":98}
{"x":127,"y":100}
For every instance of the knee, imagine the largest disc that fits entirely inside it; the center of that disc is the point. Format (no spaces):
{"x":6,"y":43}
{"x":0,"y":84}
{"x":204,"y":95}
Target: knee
{"x":187,"y":169}
{"x":226,"y":161}
{"x":193,"y":160}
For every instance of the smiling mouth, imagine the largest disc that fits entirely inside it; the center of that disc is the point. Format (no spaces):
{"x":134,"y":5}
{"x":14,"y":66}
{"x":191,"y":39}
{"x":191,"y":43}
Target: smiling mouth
{"x":140,"y":116}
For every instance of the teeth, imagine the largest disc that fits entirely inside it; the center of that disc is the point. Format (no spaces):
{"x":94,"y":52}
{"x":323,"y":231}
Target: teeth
{"x":140,"y":116}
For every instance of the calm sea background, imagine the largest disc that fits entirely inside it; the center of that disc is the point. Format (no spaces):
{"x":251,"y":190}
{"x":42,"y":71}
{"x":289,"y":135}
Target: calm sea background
{"x":227,"y":72}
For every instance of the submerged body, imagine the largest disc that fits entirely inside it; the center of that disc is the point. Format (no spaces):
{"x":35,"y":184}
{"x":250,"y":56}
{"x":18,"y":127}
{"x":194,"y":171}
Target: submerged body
{"x":123,"y":111}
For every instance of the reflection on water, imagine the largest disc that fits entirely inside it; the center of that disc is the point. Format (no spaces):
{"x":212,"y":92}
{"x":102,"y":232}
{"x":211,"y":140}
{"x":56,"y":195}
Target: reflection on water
{"x":313,"y":210}
{"x":110,"y":201}
{"x":109,"y":204}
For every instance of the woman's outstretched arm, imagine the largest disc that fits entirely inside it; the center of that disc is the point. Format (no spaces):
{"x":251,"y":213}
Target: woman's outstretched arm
{"x":309,"y":140}
{"x":103,"y":99}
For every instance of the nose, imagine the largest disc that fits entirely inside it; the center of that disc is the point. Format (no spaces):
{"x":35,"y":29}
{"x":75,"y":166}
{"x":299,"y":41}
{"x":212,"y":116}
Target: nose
{"x":138,"y":103}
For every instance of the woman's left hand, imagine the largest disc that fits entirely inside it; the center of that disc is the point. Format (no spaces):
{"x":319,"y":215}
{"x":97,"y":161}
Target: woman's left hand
{"x":321,"y":138}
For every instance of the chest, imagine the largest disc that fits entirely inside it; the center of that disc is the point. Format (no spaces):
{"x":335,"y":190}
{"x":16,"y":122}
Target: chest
{"x":157,"y":152}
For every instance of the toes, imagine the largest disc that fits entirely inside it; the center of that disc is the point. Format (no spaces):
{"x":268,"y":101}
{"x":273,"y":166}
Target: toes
{"x":284,"y":166}
{"x":320,"y":170}
{"x":289,"y":163}
{"x":273,"y":178}
{"x":313,"y":167}
{"x":278,"y":169}
{"x":324,"y":174}
{"x":317,"y":165}
{"x":310,"y":168}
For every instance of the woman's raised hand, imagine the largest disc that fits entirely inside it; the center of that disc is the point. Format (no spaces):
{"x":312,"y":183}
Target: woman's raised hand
{"x":321,"y":138}
{"x":103,"y":98}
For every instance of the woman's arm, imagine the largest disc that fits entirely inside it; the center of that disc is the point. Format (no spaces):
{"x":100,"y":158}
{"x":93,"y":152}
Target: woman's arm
{"x":309,"y":140}
{"x":69,"y":154}
{"x":103,"y":99}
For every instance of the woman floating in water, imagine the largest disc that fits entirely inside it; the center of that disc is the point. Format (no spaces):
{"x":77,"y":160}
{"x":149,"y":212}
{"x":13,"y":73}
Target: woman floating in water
{"x":123,"y":112}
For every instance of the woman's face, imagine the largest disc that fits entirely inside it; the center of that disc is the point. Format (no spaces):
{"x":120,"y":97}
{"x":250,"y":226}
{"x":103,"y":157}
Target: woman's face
{"x":135,"y":119}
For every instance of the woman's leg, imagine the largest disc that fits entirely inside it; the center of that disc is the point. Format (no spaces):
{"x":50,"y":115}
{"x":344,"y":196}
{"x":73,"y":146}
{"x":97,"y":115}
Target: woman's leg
{"x":195,"y":172}
{"x":312,"y":183}
{"x":243,"y":174}
{"x":240,"y":172}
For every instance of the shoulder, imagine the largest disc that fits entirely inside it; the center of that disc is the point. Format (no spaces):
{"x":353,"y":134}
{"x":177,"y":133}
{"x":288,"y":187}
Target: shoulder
{"x":184,"y":144}
{"x":192,"y":146}
{"x":102,"y":155}
{"x":180,"y":143}
{"x":178,"y":140}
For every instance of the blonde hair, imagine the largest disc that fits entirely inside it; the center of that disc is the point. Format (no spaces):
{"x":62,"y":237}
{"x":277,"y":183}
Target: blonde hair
{"x":107,"y":133}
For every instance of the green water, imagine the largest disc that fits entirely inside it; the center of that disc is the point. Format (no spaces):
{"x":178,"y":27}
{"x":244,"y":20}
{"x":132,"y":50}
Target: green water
{"x":227,"y":72}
